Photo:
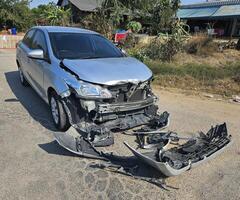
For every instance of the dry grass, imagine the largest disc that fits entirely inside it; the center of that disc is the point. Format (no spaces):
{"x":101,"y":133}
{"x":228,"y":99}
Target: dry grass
{"x":223,"y":78}
{"x":201,"y":49}
{"x":201,"y":45}
{"x":225,"y":87}
{"x":216,"y":59}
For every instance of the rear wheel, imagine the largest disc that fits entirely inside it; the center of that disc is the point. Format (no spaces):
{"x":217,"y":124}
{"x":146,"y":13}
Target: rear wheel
{"x":59,"y":115}
{"x":22,"y":78}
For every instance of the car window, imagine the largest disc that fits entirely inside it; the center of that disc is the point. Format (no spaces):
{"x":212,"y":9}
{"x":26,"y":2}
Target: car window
{"x":104,"y":48}
{"x":39,"y":42}
{"x":82,"y":46}
{"x":68,"y":45}
{"x":28,"y":38}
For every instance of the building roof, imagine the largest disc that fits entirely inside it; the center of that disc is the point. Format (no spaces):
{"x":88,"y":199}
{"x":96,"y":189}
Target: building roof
{"x":84,"y":5}
{"x":211,"y":4}
{"x":216,"y":9}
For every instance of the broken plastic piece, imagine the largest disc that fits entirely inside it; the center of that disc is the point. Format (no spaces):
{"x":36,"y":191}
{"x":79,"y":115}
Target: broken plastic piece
{"x":77,"y":145}
{"x":177,"y":160}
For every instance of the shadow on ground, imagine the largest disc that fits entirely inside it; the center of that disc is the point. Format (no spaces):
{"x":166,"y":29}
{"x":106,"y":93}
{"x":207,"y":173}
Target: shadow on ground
{"x":54,"y":148}
{"x":132,"y":167}
{"x":35,"y":106}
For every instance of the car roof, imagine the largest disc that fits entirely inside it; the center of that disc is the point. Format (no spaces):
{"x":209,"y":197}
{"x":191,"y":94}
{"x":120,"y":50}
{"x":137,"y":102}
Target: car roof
{"x":62,"y":29}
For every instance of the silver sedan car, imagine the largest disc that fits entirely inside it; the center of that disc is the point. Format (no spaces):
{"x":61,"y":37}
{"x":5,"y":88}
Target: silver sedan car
{"x":88,"y":82}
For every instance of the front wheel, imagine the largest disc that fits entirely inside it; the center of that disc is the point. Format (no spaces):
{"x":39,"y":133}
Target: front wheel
{"x":59,"y":115}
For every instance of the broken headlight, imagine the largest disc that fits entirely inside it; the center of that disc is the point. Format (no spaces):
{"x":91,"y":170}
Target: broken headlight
{"x":93,"y":91}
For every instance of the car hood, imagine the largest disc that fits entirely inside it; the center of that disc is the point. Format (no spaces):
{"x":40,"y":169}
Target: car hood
{"x":109,"y":71}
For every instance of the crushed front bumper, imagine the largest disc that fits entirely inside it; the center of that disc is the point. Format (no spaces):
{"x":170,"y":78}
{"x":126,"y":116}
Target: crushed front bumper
{"x":124,"y":107}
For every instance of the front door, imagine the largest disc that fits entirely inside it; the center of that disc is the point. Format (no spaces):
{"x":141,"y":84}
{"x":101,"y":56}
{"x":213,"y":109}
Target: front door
{"x":37,"y":66}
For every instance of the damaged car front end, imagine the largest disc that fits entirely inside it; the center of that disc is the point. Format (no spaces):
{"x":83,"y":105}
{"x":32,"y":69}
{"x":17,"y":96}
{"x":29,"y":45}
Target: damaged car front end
{"x":97,"y":110}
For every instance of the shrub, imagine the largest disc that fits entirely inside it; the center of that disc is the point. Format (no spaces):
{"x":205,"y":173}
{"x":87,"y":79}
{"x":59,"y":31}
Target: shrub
{"x":236,"y":78}
{"x":165,"y":46}
{"x":201,"y":44}
{"x":138,"y":54}
{"x":130,"y":41}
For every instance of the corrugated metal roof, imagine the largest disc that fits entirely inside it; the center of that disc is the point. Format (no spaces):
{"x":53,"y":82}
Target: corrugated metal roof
{"x":87,"y":5}
{"x":233,"y":10}
{"x":84,"y":5}
{"x":196,"y":13}
{"x":221,"y":9}
{"x":185,"y":13}
{"x":211,"y":4}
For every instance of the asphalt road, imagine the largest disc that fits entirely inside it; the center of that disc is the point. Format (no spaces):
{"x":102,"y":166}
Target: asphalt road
{"x":33,"y":166}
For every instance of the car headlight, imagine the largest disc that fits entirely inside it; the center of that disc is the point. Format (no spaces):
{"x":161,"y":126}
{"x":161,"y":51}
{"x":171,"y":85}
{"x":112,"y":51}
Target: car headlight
{"x":94,"y":91}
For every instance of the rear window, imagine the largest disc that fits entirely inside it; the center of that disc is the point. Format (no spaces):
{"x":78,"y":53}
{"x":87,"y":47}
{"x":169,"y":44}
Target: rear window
{"x":82,"y":46}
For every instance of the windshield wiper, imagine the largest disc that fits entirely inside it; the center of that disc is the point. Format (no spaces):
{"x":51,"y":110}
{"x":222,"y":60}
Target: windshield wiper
{"x":91,"y":57}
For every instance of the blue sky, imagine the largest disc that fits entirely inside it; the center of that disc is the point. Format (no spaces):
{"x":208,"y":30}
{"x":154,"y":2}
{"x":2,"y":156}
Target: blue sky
{"x":35,"y":3}
{"x":192,"y":1}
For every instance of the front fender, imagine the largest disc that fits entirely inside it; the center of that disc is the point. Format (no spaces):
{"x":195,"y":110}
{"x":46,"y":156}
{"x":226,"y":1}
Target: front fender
{"x":60,"y":86}
{"x":58,"y":80}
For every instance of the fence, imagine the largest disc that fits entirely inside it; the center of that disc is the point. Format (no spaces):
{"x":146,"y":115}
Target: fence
{"x":9,"y":41}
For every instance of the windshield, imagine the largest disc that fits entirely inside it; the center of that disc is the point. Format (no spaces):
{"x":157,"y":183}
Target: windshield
{"x":82,"y":46}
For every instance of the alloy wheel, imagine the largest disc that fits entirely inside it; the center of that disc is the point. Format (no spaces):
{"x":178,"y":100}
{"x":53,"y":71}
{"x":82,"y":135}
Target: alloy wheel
{"x":54,"y":109}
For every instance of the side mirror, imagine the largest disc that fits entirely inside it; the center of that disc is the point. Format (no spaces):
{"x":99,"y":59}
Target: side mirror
{"x":119,"y":45}
{"x":36,"y":54}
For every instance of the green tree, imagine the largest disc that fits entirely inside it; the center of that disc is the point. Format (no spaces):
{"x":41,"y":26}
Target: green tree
{"x":159,"y":14}
{"x":57,"y":16}
{"x":15,"y":13}
{"x":50,"y":14}
{"x":38,"y":16}
{"x":164,"y":12}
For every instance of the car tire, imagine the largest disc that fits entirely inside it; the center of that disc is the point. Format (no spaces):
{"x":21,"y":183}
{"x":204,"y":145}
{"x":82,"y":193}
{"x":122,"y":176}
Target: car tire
{"x":59,"y":115}
{"x":22,"y":78}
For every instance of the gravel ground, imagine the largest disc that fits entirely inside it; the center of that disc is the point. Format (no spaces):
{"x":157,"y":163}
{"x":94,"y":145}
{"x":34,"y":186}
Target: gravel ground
{"x":33,"y":166}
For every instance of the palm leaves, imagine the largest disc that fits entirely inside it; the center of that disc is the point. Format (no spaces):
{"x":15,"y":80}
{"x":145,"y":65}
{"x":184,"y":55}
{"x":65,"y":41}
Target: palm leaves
{"x":56,"y":16}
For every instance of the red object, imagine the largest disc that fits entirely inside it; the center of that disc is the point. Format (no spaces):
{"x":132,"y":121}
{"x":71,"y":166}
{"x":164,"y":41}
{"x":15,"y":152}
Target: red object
{"x":120,"y":36}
